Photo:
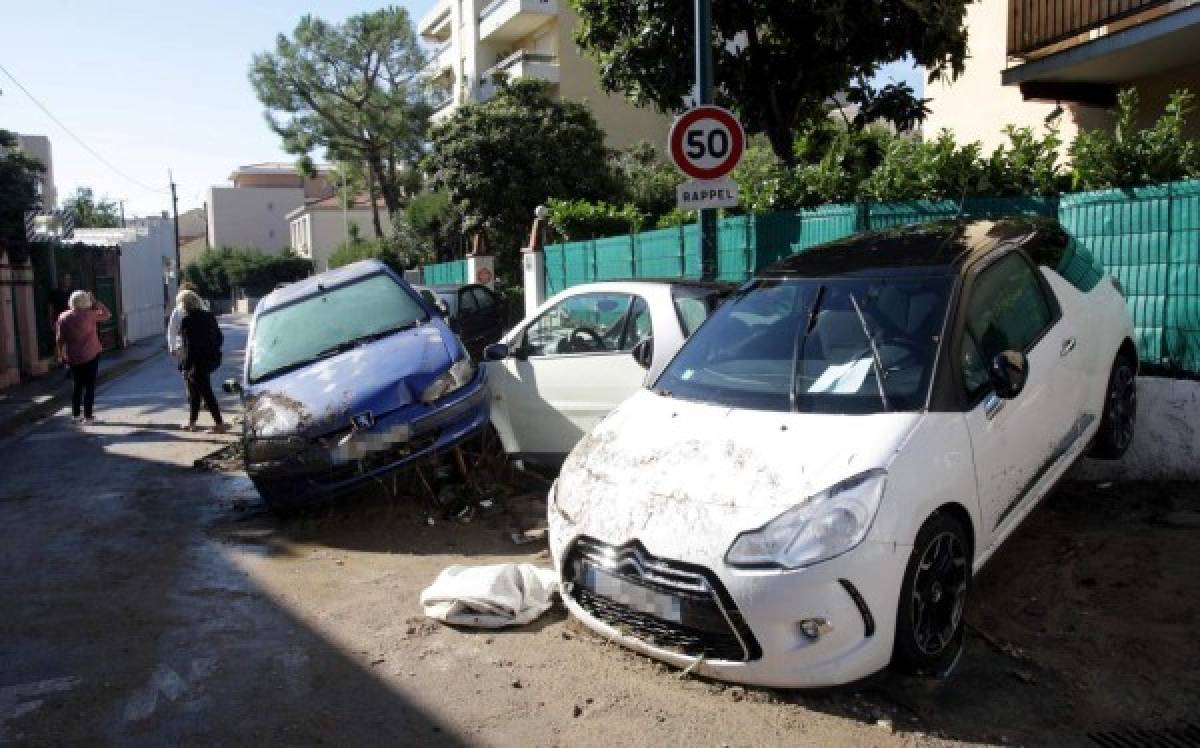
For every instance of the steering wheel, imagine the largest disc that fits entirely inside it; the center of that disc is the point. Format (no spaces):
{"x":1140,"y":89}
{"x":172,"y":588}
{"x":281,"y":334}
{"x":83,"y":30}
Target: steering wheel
{"x":578,"y":343}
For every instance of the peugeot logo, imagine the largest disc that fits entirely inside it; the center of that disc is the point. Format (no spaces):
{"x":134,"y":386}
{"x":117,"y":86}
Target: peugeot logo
{"x":363,"y":421}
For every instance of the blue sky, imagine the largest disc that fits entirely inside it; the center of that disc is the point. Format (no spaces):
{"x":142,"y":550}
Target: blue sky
{"x":154,"y":85}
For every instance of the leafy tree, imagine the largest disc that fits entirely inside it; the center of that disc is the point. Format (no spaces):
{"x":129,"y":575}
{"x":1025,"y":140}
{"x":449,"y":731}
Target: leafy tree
{"x":18,"y":189}
{"x":352,"y":89}
{"x":217,"y":272}
{"x":435,"y":222}
{"x":778,"y":63}
{"x":92,"y":213}
{"x":648,"y":181}
{"x":500,"y":159}
{"x":1130,"y":155}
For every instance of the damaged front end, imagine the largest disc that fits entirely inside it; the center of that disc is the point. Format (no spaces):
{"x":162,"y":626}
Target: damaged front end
{"x":294,"y":460}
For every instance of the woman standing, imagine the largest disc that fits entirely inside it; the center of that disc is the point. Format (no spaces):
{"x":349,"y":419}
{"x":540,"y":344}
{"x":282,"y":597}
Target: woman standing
{"x":79,"y":347}
{"x":202,"y":339}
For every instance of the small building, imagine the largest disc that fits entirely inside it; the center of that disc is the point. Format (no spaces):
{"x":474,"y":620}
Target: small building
{"x":253,"y":212}
{"x":319,"y":227}
{"x":39,"y":147}
{"x":1029,"y":60}
{"x":145,"y":282}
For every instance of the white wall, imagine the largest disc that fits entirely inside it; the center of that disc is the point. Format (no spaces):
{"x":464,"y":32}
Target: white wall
{"x":143,"y":263}
{"x":252,"y":216}
{"x":319,"y":232}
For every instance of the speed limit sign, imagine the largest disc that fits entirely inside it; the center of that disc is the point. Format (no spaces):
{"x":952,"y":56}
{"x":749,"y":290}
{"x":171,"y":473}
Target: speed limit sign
{"x":707,"y":142}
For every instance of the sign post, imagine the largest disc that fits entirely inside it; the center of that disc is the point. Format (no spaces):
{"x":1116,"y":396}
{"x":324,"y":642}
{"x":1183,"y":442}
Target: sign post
{"x":704,"y":96}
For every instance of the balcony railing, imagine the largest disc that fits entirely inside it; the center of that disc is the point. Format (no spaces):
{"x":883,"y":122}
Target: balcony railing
{"x":439,"y":100}
{"x":1036,"y":24}
{"x":521,"y":55}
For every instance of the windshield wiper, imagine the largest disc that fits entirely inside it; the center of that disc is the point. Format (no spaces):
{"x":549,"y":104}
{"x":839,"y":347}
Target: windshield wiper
{"x":878,"y":362}
{"x":353,"y":343}
{"x":801,"y":339}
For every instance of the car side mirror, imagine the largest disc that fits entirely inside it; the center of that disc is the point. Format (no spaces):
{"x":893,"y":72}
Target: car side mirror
{"x":1008,"y":373}
{"x":643,"y":353}
{"x":232,"y":386}
{"x":496,"y":352}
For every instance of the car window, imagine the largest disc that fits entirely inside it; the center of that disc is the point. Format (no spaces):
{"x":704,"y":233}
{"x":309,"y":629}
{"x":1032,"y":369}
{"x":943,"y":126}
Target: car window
{"x":638,"y":328}
{"x":814,"y":345}
{"x":586,"y":323}
{"x":467,"y":303}
{"x":1008,"y":311}
{"x":484,"y":298}
{"x":329,"y":322}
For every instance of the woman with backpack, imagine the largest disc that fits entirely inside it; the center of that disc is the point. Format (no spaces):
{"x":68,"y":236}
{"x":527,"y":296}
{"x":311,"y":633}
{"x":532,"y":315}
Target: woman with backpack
{"x":202,"y":339}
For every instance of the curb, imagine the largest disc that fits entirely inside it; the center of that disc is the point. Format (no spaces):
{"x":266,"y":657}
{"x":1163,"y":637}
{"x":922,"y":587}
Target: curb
{"x":44,"y":409}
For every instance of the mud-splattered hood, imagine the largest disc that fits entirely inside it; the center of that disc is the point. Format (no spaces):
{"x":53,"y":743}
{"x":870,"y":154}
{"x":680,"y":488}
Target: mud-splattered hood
{"x":380,"y":377}
{"x":685,"y":478}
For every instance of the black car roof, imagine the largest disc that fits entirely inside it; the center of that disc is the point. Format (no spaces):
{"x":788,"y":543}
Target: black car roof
{"x":939,"y":248}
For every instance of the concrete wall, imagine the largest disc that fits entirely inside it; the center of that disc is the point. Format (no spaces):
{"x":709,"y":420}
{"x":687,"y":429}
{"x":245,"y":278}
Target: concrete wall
{"x":1166,"y":440}
{"x":252,"y":216}
{"x":145,"y":302}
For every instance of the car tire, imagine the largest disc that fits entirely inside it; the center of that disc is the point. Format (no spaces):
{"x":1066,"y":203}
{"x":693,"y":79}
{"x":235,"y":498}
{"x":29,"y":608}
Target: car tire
{"x":933,"y":598}
{"x":1120,"y":411}
{"x":275,"y":496}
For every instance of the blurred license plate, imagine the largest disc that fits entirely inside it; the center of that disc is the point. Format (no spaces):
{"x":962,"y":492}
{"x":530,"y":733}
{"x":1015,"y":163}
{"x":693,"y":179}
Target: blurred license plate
{"x":641,"y":599}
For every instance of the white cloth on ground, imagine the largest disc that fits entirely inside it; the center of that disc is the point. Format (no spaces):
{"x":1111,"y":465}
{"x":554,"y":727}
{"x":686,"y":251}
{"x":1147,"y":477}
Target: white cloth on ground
{"x":490,"y":596}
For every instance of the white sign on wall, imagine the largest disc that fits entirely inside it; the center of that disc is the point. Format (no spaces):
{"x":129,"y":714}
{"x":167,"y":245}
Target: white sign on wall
{"x":710,"y":193}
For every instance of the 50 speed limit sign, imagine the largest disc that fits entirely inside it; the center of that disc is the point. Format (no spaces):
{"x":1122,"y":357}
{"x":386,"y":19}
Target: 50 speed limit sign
{"x":705,"y":144}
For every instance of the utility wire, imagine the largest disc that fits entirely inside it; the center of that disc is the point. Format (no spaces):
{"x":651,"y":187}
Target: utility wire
{"x":78,"y":139}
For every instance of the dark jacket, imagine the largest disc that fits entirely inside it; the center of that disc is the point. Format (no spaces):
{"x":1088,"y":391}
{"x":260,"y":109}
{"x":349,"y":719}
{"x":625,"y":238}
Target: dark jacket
{"x":202,"y":340}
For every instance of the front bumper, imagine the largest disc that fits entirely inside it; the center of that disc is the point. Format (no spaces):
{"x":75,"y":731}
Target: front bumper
{"x":309,"y":475}
{"x":853,"y":596}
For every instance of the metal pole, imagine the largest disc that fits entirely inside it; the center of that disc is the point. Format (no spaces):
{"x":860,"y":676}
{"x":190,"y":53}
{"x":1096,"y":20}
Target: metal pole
{"x":175,"y":217}
{"x":704,"y":95}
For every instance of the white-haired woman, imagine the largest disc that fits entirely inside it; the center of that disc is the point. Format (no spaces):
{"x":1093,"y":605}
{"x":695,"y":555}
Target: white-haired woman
{"x":79,"y":347}
{"x":202,"y":339}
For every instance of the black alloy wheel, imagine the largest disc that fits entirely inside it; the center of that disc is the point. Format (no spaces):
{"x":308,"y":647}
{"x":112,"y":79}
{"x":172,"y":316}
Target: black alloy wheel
{"x":1120,"y":411}
{"x":933,"y":598}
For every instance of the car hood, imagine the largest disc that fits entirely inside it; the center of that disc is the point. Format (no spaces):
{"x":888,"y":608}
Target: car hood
{"x":685,"y":478}
{"x":380,"y":377}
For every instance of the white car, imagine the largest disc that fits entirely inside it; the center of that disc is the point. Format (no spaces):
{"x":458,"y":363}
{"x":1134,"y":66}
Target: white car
{"x":804,"y":493}
{"x":559,"y":372}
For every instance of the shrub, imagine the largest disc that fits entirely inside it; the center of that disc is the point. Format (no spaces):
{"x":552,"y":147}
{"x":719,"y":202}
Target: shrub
{"x":217,"y":272}
{"x":1130,"y":156}
{"x":580,"y":219}
{"x":647,"y":181}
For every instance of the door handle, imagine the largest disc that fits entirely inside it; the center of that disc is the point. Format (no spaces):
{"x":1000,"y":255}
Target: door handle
{"x":1068,"y":345}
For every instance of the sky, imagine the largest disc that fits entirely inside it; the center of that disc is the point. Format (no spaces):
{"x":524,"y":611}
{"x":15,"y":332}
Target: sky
{"x":153,"y":86}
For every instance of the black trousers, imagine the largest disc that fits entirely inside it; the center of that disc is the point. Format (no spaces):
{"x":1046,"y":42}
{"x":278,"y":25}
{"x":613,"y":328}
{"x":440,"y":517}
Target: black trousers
{"x":199,"y":388}
{"x":84,"y":393}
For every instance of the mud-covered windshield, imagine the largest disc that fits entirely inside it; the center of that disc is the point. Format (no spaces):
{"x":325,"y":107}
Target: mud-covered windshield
{"x":330,"y":322}
{"x":846,"y":345}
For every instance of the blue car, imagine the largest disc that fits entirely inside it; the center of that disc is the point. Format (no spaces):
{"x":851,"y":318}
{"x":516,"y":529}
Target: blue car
{"x":350,"y":376}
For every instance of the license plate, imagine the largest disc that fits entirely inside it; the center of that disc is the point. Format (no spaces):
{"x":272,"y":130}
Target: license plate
{"x":635,"y":596}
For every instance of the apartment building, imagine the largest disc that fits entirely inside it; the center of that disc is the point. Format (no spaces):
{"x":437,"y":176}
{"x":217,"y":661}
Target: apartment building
{"x":38,"y":146}
{"x":1028,"y":58}
{"x":253,"y":212}
{"x":473,"y":40}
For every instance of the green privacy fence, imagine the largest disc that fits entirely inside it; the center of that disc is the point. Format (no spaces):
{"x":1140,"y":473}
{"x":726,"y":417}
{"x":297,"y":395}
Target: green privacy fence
{"x":1148,"y":238}
{"x":445,"y":273}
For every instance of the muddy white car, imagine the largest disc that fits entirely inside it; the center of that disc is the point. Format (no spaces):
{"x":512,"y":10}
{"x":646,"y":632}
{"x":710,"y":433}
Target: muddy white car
{"x":804,"y":493}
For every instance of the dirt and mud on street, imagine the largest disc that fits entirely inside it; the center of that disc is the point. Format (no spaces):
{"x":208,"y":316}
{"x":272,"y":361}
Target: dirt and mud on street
{"x":148,"y":602}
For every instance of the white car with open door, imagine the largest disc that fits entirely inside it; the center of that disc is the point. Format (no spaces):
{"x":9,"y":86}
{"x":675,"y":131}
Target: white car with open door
{"x":805,"y":492}
{"x":562,"y":370}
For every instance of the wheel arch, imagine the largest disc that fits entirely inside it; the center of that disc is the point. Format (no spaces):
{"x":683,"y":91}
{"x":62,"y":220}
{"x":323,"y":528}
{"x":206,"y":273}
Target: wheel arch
{"x":1127,"y":348}
{"x":959,"y":512}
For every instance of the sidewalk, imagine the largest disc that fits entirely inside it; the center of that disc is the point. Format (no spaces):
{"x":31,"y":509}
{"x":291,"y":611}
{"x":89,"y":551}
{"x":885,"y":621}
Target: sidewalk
{"x":32,"y":400}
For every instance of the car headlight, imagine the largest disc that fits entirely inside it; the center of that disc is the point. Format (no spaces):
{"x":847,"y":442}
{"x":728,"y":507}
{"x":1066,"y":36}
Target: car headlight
{"x":455,"y":378}
{"x":828,"y":524}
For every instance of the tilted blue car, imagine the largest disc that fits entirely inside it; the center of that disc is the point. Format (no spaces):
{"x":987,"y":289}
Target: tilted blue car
{"x":350,"y":376}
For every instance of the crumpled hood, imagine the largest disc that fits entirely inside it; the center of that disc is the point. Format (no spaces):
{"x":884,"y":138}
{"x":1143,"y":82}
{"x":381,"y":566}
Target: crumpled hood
{"x":685,"y":478}
{"x":379,"y":377}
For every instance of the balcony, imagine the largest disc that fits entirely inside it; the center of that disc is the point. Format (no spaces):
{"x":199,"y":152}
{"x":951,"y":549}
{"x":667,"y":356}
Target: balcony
{"x":437,"y":23}
{"x":521,"y":64}
{"x":441,"y":59}
{"x":510,"y":20}
{"x":1082,"y":50}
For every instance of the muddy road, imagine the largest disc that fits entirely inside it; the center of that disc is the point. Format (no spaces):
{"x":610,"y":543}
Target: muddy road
{"x":147,"y":603}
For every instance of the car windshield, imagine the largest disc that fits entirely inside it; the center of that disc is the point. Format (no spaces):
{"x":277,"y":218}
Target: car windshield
{"x":330,"y":322}
{"x":845,"y":345}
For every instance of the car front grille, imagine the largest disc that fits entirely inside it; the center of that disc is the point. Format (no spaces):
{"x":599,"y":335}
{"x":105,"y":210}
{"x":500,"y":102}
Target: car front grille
{"x":709,"y":623}
{"x":376,"y":460}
